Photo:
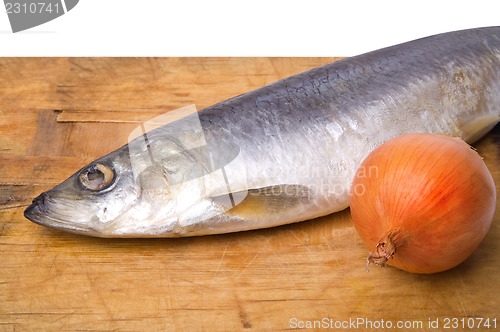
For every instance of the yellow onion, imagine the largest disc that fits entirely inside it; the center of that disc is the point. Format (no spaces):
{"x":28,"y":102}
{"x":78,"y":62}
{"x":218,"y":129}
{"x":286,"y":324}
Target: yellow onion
{"x":422,"y":202}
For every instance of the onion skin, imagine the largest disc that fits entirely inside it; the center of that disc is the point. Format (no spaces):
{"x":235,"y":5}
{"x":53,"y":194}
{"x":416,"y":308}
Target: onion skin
{"x":422,"y":202}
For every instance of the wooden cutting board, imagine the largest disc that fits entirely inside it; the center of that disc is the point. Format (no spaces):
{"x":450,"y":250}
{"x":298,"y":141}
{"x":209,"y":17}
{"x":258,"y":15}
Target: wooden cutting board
{"x":57,"y":114}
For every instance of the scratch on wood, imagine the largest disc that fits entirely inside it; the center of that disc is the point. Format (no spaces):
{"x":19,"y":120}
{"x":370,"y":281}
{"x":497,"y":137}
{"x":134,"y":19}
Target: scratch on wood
{"x":249,"y":263}
{"x":461,"y":303}
{"x":222,"y":258}
{"x":305,"y":245}
{"x":458,"y":293}
{"x":9,"y":207}
{"x":153,"y":115}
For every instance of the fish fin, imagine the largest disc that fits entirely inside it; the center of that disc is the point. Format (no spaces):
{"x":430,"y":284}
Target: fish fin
{"x":476,"y":128}
{"x":260,"y":203}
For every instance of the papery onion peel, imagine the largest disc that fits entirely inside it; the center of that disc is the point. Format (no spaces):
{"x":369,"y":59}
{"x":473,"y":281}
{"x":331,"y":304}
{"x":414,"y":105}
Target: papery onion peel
{"x":422,"y":202}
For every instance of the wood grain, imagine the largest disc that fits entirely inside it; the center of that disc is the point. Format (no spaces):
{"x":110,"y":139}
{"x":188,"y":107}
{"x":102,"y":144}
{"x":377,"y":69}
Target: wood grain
{"x":57,"y":114}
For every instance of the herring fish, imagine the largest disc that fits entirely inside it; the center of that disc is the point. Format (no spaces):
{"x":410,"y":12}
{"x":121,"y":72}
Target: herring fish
{"x":286,"y":152}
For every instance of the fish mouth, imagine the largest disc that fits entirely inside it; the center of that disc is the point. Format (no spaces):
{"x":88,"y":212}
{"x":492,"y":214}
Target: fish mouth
{"x":40,"y":213}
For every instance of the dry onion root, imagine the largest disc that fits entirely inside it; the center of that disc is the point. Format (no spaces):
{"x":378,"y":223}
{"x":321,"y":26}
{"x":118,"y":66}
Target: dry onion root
{"x":423,"y":202}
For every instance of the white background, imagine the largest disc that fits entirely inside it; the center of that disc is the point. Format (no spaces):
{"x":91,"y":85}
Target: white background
{"x":241,"y":28}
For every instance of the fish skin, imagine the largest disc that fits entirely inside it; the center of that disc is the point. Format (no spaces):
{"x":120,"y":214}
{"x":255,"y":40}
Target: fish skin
{"x":286,"y":152}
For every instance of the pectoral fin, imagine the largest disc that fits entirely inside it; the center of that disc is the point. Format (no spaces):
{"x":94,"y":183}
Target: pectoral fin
{"x":253,"y":209}
{"x":280,"y":201}
{"x":478,"y":127}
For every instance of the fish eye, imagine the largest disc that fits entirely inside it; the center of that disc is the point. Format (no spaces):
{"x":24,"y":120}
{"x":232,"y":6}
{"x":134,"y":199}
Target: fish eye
{"x":97,"y":177}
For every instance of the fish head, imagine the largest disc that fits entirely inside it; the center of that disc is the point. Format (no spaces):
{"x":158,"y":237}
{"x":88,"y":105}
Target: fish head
{"x":141,"y":190}
{"x":90,"y":200}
